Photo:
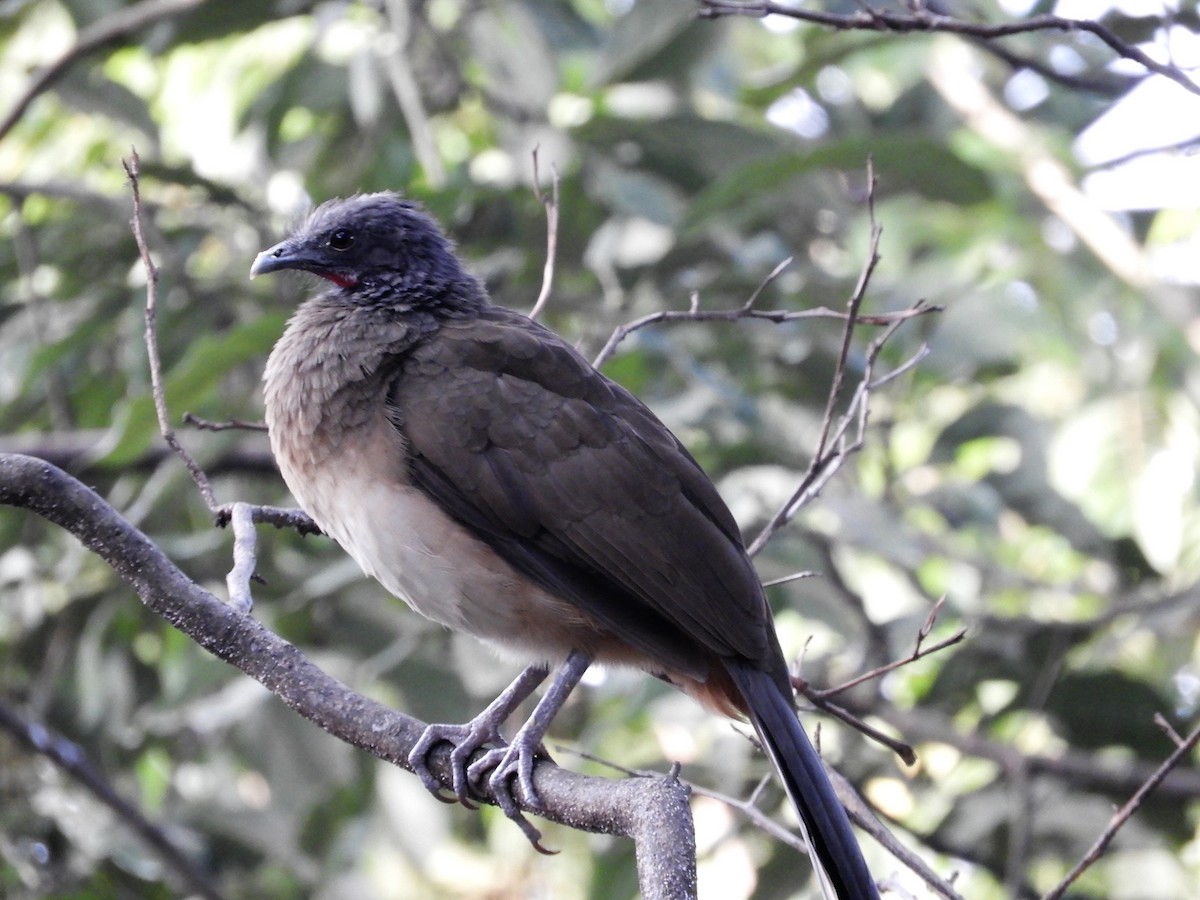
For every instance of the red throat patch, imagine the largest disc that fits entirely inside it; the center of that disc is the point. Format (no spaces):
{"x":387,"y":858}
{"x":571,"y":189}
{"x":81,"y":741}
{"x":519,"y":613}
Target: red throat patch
{"x":343,"y":281}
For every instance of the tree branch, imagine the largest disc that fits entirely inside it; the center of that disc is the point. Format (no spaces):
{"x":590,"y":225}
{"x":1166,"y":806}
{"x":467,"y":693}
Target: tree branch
{"x":551,"y":206}
{"x":926,"y":21}
{"x":653,"y":813}
{"x":1122,"y":815}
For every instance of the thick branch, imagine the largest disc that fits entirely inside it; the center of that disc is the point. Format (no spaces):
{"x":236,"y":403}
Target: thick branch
{"x":652,"y":812}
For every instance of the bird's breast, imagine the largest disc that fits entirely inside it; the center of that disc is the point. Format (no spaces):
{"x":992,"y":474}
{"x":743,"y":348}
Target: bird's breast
{"x":357,"y":491}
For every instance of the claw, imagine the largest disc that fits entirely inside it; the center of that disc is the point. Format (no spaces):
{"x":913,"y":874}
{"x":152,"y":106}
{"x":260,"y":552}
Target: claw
{"x":501,"y":763}
{"x":517,"y":759}
{"x":466,"y":740}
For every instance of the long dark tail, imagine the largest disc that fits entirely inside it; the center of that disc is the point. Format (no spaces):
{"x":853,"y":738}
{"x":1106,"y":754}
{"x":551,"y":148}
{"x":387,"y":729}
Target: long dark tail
{"x":836,"y":857}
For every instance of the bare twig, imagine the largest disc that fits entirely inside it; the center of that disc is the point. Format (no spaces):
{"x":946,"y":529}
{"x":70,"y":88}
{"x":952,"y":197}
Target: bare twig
{"x":71,"y":758}
{"x":788,"y":579}
{"x":901,"y":748}
{"x":231,"y":425}
{"x":133,"y":171}
{"x":551,"y":205}
{"x":852,"y":308}
{"x":924,"y":21}
{"x":776,"y":316}
{"x":241,"y":520}
{"x":919,"y":650}
{"x":1122,"y":815}
{"x":1168,"y":729}
{"x":763,"y":285}
{"x":833,"y":448}
{"x":115,"y":27}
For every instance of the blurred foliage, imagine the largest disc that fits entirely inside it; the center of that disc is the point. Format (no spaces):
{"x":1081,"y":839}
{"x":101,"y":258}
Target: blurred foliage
{"x":1037,"y":470}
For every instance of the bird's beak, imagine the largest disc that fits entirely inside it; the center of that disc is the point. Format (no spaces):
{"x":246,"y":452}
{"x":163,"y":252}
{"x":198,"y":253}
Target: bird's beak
{"x":282,"y":256}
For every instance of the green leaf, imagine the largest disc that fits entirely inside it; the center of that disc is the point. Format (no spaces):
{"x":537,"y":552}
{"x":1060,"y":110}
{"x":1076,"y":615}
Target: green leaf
{"x":911,"y":162}
{"x":191,"y":383}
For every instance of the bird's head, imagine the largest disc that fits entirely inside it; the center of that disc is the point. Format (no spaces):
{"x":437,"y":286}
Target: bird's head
{"x":372,"y":246}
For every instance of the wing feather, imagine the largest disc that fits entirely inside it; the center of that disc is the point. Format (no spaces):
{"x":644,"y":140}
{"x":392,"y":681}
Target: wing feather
{"x":578,"y":485}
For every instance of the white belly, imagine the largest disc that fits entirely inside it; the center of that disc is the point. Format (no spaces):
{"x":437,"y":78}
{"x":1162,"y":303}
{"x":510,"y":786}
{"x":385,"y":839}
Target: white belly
{"x":403,"y":539}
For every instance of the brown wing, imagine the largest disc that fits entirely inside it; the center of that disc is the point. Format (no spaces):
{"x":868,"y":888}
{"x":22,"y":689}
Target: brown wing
{"x":578,"y":485}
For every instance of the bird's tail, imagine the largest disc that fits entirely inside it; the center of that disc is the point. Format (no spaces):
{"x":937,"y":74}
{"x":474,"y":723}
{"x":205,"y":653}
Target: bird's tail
{"x":836,"y":857}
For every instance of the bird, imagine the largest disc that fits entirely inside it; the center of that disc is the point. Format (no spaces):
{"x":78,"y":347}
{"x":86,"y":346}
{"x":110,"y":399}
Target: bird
{"x":482,"y":470}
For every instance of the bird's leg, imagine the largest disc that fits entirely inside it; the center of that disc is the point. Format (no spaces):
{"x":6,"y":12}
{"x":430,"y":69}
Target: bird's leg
{"x":469,"y":737}
{"x":516,"y":760}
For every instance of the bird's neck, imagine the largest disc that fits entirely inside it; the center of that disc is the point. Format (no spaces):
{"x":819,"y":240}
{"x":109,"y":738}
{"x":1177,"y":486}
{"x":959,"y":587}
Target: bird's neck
{"x":321,"y":369}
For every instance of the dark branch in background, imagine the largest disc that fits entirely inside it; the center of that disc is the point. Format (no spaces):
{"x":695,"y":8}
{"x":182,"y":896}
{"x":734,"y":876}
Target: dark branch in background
{"x":81,"y":451}
{"x":1106,"y":87}
{"x":1077,"y":768}
{"x":117,"y":26}
{"x":654,"y":813}
{"x":1188,"y":147}
{"x":70,"y":757}
{"x":926,"y":21}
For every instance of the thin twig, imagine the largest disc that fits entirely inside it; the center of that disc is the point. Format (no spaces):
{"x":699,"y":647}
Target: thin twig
{"x":763,"y":285}
{"x":1168,"y":729}
{"x":788,"y":579}
{"x":551,"y":205}
{"x":1122,"y":815}
{"x":775,"y":316}
{"x":852,"y":308}
{"x":919,"y":651}
{"x":133,"y":171}
{"x":832,"y":449}
{"x":902,"y":749}
{"x":233,"y":424}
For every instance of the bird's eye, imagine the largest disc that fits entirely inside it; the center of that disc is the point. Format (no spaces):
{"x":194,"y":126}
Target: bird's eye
{"x":341,"y":240}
